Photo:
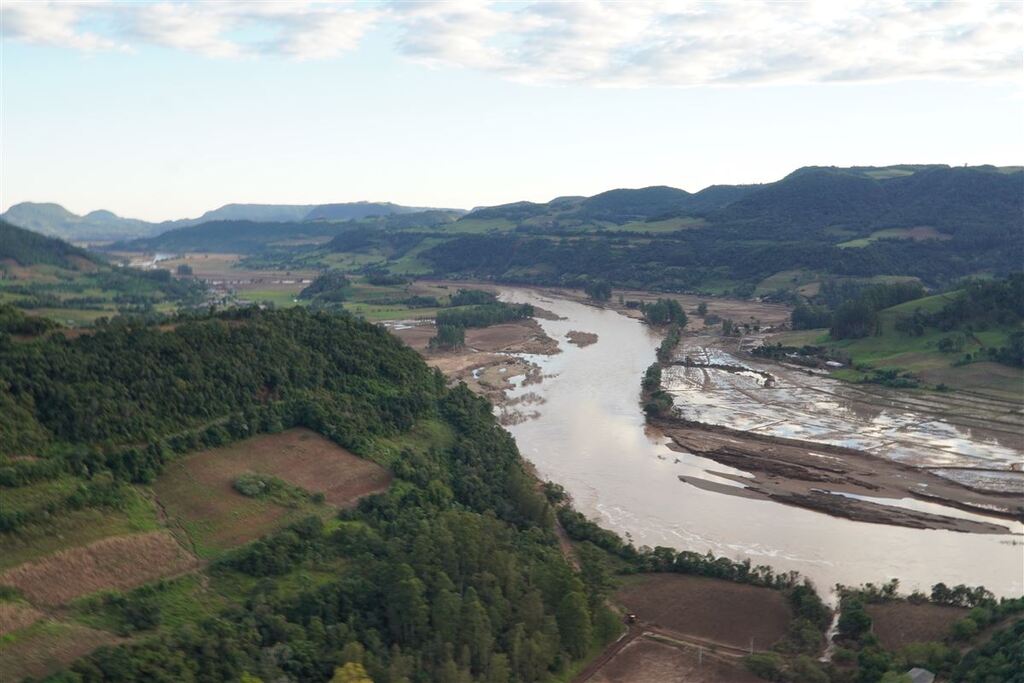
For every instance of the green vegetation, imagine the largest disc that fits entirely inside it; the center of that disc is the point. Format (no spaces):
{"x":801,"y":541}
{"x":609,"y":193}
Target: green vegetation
{"x":52,"y":279}
{"x":448,"y":337}
{"x":957,"y":657}
{"x":484,"y":315}
{"x":328,"y":287}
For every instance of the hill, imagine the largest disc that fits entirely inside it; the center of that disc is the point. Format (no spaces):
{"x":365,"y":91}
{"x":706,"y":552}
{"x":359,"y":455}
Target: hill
{"x":102,"y":225}
{"x":26,"y":248}
{"x":969,"y":338}
{"x":457,"y":555}
{"x":48,"y":277}
{"x":55,"y":220}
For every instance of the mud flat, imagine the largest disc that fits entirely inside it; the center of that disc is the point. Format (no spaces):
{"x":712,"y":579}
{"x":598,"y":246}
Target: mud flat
{"x":581,"y":339}
{"x":493,"y":362}
{"x":839,"y":481}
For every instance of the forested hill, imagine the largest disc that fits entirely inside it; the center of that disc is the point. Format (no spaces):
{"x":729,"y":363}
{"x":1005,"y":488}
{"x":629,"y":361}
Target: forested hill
{"x":812,"y":197}
{"x":453,"y":574}
{"x":26,"y":248}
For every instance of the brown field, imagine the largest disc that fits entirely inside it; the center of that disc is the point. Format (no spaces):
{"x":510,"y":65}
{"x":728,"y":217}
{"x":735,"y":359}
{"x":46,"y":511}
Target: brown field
{"x":710,"y":609}
{"x":900,"y":623}
{"x":14,"y":616}
{"x":649,"y":661}
{"x":197,"y":491}
{"x":111,"y":564}
{"x":47,"y":647}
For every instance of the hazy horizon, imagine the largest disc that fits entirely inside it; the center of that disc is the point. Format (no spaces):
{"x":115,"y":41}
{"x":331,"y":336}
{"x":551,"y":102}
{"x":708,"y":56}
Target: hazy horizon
{"x":165,"y":111}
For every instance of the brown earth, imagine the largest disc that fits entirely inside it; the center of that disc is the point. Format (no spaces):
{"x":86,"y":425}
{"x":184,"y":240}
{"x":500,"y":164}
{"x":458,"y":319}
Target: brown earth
{"x":14,"y":616}
{"x":801,"y":473}
{"x":521,"y":336}
{"x":581,"y":339}
{"x":306,"y":459}
{"x":197,"y":491}
{"x":111,"y":564}
{"x":711,"y":610}
{"x":47,"y":648}
{"x":898,"y":624}
{"x":648,"y":660}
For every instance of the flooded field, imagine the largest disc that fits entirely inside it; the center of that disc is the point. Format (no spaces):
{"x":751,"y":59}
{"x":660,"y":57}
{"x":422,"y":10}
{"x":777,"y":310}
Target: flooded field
{"x":589,"y":435}
{"x":935,"y":431}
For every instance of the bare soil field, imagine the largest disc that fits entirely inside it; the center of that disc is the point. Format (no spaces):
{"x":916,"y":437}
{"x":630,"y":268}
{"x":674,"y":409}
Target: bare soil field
{"x":522,"y":336}
{"x":113,"y":563}
{"x":47,"y":647}
{"x":709,"y":609}
{"x":14,"y":616}
{"x":646,"y":660}
{"x":898,"y":624}
{"x":198,"y":490}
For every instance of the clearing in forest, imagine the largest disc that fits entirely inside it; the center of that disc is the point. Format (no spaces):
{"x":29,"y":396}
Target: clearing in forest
{"x":46,"y":647}
{"x":898,"y":624}
{"x":198,"y":491}
{"x":647,"y":660}
{"x":709,"y":609}
{"x":110,"y":564}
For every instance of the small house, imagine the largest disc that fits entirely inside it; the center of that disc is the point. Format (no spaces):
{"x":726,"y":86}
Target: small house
{"x":919,"y":675}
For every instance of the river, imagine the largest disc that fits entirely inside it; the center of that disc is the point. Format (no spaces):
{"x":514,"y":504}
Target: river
{"x":590,"y":437}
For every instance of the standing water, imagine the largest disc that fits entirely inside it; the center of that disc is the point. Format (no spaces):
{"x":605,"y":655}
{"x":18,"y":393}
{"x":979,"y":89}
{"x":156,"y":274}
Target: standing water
{"x":590,"y":437}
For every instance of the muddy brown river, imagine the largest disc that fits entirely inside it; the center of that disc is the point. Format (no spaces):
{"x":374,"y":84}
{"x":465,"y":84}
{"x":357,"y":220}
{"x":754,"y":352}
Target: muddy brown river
{"x":589,"y":435}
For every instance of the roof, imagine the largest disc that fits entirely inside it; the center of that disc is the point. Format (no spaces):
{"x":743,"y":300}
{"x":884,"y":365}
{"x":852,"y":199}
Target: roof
{"x":919,"y":675}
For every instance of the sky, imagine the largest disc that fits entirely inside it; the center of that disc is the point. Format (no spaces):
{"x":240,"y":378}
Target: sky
{"x":162,"y":110}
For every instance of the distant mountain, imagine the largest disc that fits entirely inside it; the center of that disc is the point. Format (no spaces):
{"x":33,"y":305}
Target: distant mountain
{"x":248,"y":236}
{"x":247,"y":212}
{"x":357,"y":210}
{"x":55,"y":220}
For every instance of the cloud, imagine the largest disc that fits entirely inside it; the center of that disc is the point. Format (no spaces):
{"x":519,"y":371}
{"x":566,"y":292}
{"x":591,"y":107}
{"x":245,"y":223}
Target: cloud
{"x":632,"y":44}
{"x":303,"y":30}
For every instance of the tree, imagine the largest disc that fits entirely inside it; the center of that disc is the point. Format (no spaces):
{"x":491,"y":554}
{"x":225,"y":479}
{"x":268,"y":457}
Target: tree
{"x":598,"y":290}
{"x":184,"y":269}
{"x":574,"y":624}
{"x":702,"y":309}
{"x":353,"y":672}
{"x":448,"y":337}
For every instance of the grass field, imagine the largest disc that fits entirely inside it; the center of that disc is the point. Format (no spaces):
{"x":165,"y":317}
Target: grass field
{"x":669,"y":225}
{"x":112,"y":563}
{"x":920,"y":354}
{"x":45,"y":647}
{"x":198,"y":493}
{"x":180,"y":601}
{"x":72,"y":528}
{"x":918,"y":234}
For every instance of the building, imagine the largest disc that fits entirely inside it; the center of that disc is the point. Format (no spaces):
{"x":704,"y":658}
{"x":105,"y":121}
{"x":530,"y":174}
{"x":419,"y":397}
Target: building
{"x":919,"y":675}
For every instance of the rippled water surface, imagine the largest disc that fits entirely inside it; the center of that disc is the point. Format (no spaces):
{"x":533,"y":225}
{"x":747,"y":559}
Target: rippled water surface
{"x":590,"y":437}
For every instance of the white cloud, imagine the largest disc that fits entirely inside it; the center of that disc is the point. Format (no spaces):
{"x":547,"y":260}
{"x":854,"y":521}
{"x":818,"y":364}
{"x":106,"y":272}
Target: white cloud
{"x":637,"y":43}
